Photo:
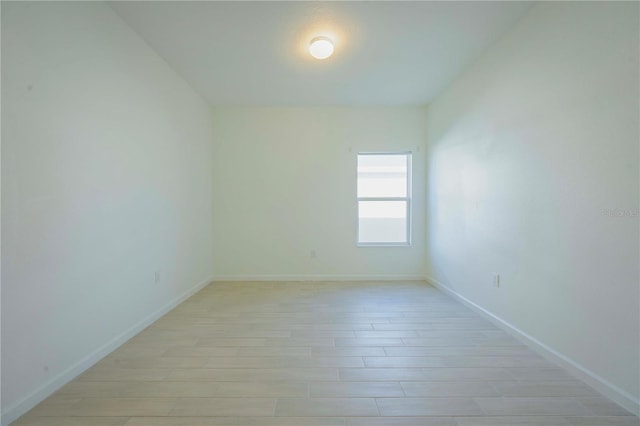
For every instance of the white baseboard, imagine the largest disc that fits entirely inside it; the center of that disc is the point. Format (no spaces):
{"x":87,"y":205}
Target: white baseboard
{"x":606,"y":388}
{"x":38,"y":395}
{"x":318,"y":277}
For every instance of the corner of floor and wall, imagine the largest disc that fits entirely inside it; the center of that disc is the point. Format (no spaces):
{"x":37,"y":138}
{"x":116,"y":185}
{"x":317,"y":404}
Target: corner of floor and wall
{"x":525,"y":167}
{"x":106,"y":192}
{"x":533,"y":175}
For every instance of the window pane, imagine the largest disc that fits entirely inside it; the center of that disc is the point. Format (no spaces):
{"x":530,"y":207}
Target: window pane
{"x":382,"y":175}
{"x":382,"y":222}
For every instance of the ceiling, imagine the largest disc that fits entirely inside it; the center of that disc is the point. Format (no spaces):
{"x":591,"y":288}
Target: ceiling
{"x":255,"y":53}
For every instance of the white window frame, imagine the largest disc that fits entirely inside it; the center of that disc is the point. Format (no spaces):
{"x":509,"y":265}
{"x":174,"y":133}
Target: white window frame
{"x":409,"y":156}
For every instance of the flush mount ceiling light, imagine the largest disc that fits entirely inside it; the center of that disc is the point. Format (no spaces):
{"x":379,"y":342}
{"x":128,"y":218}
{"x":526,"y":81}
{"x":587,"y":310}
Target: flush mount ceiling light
{"x":321,"y":47}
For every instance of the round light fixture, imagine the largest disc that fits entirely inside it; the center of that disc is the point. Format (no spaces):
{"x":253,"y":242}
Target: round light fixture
{"x":321,"y":47}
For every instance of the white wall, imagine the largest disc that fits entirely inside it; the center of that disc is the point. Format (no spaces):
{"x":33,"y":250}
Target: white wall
{"x":285,"y":184}
{"x":527,"y":152}
{"x":106,"y":178}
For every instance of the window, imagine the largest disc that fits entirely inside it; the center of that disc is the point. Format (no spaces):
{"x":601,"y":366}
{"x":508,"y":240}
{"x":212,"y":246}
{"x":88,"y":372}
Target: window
{"x":384,"y":199}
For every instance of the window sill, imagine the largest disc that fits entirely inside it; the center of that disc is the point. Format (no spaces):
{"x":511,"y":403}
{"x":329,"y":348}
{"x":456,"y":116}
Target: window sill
{"x":383,"y":245}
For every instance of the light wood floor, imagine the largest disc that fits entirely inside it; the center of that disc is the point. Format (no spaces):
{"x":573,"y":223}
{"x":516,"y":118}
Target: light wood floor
{"x":339,"y":354}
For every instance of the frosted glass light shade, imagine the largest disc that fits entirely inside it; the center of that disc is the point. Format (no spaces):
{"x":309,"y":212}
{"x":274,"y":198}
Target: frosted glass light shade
{"x":321,"y":47}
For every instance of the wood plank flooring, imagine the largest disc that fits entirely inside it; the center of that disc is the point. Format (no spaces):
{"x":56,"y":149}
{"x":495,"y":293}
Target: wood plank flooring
{"x":324,"y":354}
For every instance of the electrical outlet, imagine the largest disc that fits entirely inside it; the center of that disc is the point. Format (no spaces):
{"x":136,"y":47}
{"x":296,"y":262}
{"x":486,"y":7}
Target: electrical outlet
{"x":496,"y":280}
{"x":157,"y":276}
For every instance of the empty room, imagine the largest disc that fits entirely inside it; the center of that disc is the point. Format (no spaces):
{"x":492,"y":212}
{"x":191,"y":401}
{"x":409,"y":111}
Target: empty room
{"x":351,"y":213}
